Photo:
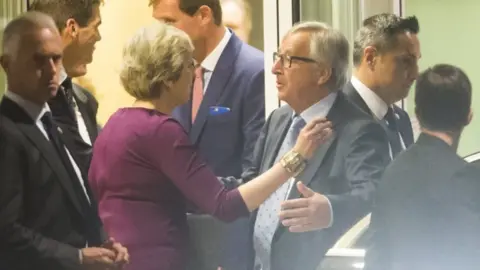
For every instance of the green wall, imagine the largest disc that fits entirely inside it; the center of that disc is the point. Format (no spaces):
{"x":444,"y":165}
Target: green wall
{"x":449,"y":34}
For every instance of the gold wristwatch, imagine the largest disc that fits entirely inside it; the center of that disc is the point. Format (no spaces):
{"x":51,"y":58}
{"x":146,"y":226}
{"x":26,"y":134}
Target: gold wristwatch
{"x":293,"y":162}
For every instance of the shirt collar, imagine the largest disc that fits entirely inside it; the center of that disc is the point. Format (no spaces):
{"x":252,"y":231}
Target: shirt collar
{"x":35,"y":111}
{"x":211,"y":60}
{"x":62,"y":75}
{"x":374,"y":102}
{"x":319,"y":109}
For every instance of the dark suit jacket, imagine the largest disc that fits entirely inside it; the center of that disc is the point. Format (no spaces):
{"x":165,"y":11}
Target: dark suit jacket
{"x":63,"y":115}
{"x":44,"y":221}
{"x":427,"y":213}
{"x":346,"y":169}
{"x":403,"y":120}
{"x":227,"y":140}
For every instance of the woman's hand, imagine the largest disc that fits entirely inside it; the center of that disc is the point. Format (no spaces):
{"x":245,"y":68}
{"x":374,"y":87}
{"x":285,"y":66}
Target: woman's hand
{"x":312,"y":136}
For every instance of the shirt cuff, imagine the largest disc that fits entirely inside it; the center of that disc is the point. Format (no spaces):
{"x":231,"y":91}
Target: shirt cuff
{"x":80,"y":256}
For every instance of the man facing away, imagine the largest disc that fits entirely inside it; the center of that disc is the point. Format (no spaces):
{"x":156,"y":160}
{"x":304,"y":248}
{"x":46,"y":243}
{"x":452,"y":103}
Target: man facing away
{"x":74,"y":108}
{"x":47,"y":217}
{"x":227,"y":109}
{"x":427,"y":213}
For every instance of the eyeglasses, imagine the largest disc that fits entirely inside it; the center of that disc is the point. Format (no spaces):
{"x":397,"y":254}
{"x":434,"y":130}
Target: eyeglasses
{"x":286,"y":60}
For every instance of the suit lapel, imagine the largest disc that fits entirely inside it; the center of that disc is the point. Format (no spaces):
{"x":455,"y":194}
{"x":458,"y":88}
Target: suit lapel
{"x":352,"y":94}
{"x":216,"y":85}
{"x":26,"y":125}
{"x":277,"y":132}
{"x":335,"y":116}
{"x":314,"y":165}
{"x":82,"y":103}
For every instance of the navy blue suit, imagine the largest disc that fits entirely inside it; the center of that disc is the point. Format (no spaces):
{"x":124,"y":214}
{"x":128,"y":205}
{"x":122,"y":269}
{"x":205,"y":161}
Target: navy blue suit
{"x":227,"y":139}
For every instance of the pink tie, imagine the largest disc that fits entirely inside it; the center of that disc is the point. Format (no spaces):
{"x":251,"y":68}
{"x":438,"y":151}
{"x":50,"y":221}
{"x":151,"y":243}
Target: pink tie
{"x":197,"y":92}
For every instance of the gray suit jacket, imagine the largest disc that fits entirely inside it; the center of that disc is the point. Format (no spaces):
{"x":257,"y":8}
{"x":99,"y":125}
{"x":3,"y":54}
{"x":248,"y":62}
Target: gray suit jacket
{"x":346,"y":169}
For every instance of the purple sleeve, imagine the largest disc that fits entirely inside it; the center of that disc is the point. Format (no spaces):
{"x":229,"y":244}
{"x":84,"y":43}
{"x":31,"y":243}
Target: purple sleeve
{"x":179,"y":160}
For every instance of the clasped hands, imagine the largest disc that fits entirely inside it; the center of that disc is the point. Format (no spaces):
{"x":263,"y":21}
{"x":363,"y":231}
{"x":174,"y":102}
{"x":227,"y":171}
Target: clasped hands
{"x":111,"y":255}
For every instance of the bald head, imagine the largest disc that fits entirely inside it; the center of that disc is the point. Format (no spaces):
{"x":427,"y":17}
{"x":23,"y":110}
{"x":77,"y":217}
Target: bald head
{"x":23,"y":27}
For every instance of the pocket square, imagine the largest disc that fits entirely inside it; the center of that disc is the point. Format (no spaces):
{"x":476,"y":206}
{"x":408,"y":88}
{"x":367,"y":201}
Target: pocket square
{"x":218,"y":110}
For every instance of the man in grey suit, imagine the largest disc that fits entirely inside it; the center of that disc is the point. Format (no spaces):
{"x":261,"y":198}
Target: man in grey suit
{"x":311,"y":67}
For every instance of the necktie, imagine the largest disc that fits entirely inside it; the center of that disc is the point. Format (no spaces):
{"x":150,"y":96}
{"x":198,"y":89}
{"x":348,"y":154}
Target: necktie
{"x":197,"y":95}
{"x":68,"y":90}
{"x":53,"y":134}
{"x":267,"y":217}
{"x":392,"y":132}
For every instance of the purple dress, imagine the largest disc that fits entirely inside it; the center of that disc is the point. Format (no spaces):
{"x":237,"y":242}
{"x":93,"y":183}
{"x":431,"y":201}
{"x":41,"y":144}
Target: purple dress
{"x":143,"y":172}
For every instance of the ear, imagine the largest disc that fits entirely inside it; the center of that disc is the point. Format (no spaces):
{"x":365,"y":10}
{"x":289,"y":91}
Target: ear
{"x":71,"y":29}
{"x":205,"y":13}
{"x":325,"y":74}
{"x":4,"y":62}
{"x":370,"y":54}
{"x":470,"y":117}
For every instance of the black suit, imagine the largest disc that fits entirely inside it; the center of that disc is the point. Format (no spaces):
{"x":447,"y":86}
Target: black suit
{"x":44,"y":218}
{"x":427,"y":213}
{"x":65,"y":116}
{"x":403,"y":120}
{"x":346,"y":169}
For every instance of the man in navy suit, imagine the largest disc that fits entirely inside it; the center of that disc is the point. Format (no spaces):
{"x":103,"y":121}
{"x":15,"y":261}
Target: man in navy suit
{"x":227,"y":109}
{"x":385,"y":55}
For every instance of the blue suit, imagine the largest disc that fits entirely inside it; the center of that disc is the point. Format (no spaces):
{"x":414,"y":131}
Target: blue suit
{"x":226,"y":138}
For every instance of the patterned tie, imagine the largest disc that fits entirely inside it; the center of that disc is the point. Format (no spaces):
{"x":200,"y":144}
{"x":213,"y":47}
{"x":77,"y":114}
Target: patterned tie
{"x":197,"y":95}
{"x":393,"y":133}
{"x":267,"y":216}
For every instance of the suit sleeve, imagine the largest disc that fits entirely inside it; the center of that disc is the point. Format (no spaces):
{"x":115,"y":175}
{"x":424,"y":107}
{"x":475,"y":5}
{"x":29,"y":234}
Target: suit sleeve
{"x":253,"y":117}
{"x":366,"y":159}
{"x":19,"y":245}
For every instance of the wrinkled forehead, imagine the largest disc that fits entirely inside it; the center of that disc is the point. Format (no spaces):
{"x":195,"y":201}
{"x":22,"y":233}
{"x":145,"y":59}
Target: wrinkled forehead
{"x":297,"y":43}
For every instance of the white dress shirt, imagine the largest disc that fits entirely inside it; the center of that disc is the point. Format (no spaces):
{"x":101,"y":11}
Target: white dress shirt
{"x":82,"y":127}
{"x":376,"y":105}
{"x":36,"y":112}
{"x":210,"y":62}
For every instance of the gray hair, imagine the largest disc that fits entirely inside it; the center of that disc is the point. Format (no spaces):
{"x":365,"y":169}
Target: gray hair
{"x":381,"y":31}
{"x":328,"y":46}
{"x":22,"y":26}
{"x":152,"y":58}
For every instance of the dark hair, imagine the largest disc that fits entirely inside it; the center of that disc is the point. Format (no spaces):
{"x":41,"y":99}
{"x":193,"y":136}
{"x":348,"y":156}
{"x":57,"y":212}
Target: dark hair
{"x":191,"y":6}
{"x":443,"y":96}
{"x":381,"y":31}
{"x":62,"y":10}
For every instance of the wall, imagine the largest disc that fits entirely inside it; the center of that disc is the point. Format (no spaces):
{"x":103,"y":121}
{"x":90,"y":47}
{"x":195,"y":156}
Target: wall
{"x":120,"y":19}
{"x":8,"y":9}
{"x":448,"y":35}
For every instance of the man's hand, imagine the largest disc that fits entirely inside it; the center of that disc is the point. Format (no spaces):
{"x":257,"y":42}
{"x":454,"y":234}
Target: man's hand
{"x":312,"y":212}
{"x":121,"y":253}
{"x":97,"y":258}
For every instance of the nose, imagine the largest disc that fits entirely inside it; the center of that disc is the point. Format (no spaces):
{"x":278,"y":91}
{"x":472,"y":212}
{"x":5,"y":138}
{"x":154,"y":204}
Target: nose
{"x":277,"y":66}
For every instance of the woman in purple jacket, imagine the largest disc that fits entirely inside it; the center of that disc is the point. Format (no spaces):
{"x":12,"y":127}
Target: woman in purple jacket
{"x":144,"y":169}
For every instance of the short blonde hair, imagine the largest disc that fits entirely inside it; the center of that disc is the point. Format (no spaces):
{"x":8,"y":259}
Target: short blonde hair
{"x":153,"y":57}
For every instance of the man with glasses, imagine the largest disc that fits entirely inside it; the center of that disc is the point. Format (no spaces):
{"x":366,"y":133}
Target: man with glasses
{"x":227,"y":108}
{"x":311,"y":68}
